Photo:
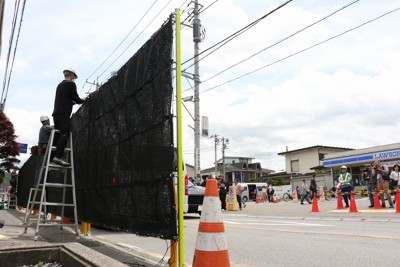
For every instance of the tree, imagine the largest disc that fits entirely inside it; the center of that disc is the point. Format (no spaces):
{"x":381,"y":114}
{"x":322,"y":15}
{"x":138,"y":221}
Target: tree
{"x":9,"y":148}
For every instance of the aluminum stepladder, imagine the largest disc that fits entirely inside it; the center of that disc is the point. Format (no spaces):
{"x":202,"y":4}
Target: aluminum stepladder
{"x":43,"y":184}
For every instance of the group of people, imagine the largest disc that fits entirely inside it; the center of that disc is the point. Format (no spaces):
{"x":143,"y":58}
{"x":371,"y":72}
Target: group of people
{"x":305,"y":190}
{"x":378,"y":182}
{"x":379,"y":179}
{"x":223,"y":189}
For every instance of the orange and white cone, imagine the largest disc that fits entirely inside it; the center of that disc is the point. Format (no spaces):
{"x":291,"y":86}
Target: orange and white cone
{"x":211,"y":246}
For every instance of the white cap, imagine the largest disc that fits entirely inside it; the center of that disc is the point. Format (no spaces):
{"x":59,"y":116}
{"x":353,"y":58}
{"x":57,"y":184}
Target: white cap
{"x":343,"y":167}
{"x":44,"y":118}
{"x":72,"y":71}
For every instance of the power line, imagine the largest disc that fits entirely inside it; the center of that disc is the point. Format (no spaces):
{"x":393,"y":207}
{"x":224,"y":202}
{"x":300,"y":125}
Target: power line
{"x":148,"y":10}
{"x":233,"y":36}
{"x":282,"y":40}
{"x":137,"y":36}
{"x":303,"y":50}
{"x":7,"y":81}
{"x":201,"y":11}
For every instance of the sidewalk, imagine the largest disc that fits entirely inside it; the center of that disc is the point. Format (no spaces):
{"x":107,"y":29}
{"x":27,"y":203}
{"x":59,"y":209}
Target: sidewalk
{"x":328,"y":211}
{"x":12,"y":236}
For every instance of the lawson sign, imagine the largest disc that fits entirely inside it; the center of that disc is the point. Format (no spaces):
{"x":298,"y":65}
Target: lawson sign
{"x":362,"y":158}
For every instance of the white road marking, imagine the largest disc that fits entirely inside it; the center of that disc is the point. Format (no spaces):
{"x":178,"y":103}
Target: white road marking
{"x":275,"y":223}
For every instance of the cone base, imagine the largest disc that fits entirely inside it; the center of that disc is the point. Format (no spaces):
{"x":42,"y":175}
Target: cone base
{"x":211,"y":258}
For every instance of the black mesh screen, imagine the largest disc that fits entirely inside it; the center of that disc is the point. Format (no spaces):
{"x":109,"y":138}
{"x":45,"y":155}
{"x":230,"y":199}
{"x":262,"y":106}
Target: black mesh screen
{"x":123,"y":145}
{"x":123,"y":148}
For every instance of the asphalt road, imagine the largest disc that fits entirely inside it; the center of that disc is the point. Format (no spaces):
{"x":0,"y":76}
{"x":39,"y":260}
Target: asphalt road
{"x":288,"y":234}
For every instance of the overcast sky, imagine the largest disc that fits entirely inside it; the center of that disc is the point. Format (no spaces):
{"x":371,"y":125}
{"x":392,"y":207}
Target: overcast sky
{"x":343,"y":92}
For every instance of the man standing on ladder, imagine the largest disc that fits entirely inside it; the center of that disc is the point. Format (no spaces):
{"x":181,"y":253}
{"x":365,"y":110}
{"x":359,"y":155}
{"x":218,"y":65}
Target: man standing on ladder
{"x":66,"y":97}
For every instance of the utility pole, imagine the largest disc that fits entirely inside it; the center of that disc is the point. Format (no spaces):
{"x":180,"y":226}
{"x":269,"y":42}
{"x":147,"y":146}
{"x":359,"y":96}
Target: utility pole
{"x":216,"y":141}
{"x":225,"y":141}
{"x":196,"y":76}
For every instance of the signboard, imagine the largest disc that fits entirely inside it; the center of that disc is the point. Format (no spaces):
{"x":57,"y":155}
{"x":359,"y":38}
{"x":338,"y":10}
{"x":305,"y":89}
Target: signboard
{"x":23,"y":148}
{"x":363,"y":158}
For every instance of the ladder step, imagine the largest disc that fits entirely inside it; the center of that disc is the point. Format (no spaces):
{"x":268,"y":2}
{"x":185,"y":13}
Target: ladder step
{"x":53,"y":204}
{"x":53,"y":148}
{"x":56,"y":185}
{"x":57,"y":224}
{"x":56,"y":166}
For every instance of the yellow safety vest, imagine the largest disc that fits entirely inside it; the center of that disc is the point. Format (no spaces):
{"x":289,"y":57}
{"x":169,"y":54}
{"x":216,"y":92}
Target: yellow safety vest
{"x":343,"y":180}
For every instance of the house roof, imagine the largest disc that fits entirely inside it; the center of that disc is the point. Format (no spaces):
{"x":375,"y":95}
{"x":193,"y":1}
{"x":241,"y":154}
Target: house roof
{"x":314,"y":147}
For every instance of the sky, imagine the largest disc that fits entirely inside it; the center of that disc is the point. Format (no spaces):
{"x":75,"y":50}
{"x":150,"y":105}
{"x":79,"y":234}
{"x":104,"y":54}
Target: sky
{"x":341,"y":90}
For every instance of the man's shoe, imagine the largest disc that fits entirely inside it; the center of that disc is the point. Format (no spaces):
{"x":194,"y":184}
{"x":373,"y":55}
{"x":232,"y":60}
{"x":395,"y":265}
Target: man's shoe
{"x":302,"y":203}
{"x":60,"y":162}
{"x":383,"y":206}
{"x":244,"y":206}
{"x":347,"y":206}
{"x":391,"y":206}
{"x":370,"y":206}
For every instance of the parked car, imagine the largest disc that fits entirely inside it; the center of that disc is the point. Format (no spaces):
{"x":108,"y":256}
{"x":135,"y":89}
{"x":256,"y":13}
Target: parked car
{"x":196,"y":197}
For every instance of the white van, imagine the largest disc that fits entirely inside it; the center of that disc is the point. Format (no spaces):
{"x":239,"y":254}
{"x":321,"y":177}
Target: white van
{"x":250,"y":190}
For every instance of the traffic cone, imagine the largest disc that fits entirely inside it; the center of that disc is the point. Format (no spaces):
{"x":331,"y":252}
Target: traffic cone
{"x":339,"y":201}
{"x":397,"y":201}
{"x":211,"y":246}
{"x":257,"y":201}
{"x":353,"y":206}
{"x":279,"y":199}
{"x":377,"y":202}
{"x":274,"y":199}
{"x":314,"y":204}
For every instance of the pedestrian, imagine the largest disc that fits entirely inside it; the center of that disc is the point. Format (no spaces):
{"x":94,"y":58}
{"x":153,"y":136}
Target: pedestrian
{"x":270,"y":193}
{"x":344,"y":181}
{"x":204,"y":182}
{"x":44,"y":135}
{"x":304,"y":192}
{"x":371,"y":177}
{"x":239,"y":190}
{"x":66,"y":97}
{"x":395,"y":175}
{"x":382,"y":177}
{"x":222,"y":192}
{"x":313,"y":186}
{"x":264,"y":194}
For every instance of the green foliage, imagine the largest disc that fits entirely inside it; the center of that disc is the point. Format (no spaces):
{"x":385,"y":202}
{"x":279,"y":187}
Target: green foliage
{"x":251,"y":180}
{"x":276,"y":181}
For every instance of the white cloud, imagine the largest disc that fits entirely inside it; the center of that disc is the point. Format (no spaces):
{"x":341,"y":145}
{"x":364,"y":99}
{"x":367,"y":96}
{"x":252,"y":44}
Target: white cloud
{"x":341,"y":93}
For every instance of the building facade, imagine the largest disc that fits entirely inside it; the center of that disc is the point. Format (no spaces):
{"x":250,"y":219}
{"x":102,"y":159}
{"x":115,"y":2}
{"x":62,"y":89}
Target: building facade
{"x":241,"y":168}
{"x":304,"y":160}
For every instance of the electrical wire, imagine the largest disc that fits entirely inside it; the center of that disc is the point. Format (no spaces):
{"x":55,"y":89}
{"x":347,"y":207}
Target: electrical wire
{"x":202,"y":10}
{"x":6,"y":88}
{"x":13,"y":24}
{"x":119,"y":45}
{"x":232,"y":36}
{"x":185,"y":7}
{"x":303,"y":50}
{"x":282,"y":40}
{"x":137,"y":37}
